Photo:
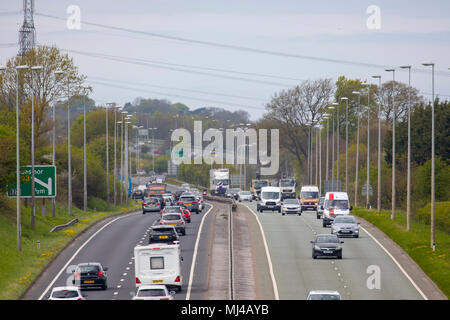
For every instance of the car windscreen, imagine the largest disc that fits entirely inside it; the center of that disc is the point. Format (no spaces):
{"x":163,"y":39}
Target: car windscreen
{"x":172,"y":210}
{"x":151,"y":293}
{"x":245,"y":193}
{"x":309,"y":195}
{"x":290,"y":201}
{"x":324,"y":296}
{"x":336,"y":204}
{"x":344,"y":220}
{"x":260,"y":184}
{"x":270,"y":195}
{"x":327,"y":239}
{"x":171,"y":217}
{"x":65,"y":294}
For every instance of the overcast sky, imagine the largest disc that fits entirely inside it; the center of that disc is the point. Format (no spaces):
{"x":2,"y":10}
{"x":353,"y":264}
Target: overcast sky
{"x":411,"y":32}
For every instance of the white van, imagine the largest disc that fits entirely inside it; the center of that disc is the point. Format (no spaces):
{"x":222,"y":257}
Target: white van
{"x":335,"y":203}
{"x":158,"y":264}
{"x":270,"y":199}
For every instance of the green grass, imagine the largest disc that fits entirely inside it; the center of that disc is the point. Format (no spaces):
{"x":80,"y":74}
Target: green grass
{"x":436,"y":264}
{"x":19,"y":269}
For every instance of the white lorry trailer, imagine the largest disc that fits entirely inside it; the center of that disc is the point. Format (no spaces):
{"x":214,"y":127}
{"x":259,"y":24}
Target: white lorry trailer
{"x":219,"y":181}
{"x":287,"y":187}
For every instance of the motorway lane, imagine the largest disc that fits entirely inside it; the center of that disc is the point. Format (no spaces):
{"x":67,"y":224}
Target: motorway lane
{"x":113,"y":247}
{"x":296,"y":273}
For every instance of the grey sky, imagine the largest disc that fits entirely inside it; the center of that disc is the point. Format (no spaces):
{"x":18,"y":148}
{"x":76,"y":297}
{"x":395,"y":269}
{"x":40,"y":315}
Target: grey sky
{"x":411,"y":32}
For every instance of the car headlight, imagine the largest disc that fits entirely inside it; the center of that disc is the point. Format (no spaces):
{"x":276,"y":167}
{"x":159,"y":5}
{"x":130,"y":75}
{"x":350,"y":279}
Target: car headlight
{"x":316,"y":247}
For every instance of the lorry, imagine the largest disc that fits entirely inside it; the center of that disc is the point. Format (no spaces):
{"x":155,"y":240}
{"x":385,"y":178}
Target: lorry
{"x":155,"y":189}
{"x":287,"y":186}
{"x":158,"y":263}
{"x":309,"y":197}
{"x":257,"y":184}
{"x":219,"y":181}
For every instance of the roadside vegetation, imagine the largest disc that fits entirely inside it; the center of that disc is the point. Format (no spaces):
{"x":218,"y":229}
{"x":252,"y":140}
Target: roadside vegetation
{"x":416,"y":243}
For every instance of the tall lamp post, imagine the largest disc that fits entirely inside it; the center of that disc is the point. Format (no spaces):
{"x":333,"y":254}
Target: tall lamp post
{"x":346,"y":143}
{"x":33,"y":200}
{"x":333,"y":180}
{"x":153,"y":145}
{"x":433,"y":244}
{"x":326,"y":116}
{"x":368,"y":144}
{"x":357,"y":147}
{"x":408,"y":165}
{"x":379,"y":146}
{"x":394,"y":116}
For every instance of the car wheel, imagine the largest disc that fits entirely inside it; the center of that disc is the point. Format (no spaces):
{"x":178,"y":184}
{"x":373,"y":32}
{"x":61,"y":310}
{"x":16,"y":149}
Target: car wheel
{"x":143,"y":212}
{"x":324,"y":224}
{"x":104,"y":287}
{"x":189,"y":221}
{"x":314,"y":256}
{"x":183,"y":232}
{"x":357,"y":236}
{"x":282,"y":213}
{"x":339,"y":256}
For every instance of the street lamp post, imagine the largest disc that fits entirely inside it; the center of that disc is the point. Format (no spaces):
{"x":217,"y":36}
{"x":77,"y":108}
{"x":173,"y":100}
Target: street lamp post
{"x":368,"y":145}
{"x":346,"y":143}
{"x":153,"y":145}
{"x":394,"y":116}
{"x":357,"y":147}
{"x":433,"y":244}
{"x":379,"y":146}
{"x":408,"y":165}
{"x":333,"y":186}
{"x":33,"y":200}
{"x":19,"y":217}
{"x":122,"y":156}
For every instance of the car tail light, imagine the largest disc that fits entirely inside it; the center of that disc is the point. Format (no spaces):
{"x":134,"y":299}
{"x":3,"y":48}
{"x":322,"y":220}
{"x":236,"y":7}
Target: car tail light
{"x":138,"y":299}
{"x":161,"y":222}
{"x":80,"y":299}
{"x":178,"y":279}
{"x":144,"y":204}
{"x":158,"y":204}
{"x":194,"y":202}
{"x":137,"y":280}
{"x":77,"y":275}
{"x":180,"y":203}
{"x":331,"y":211}
{"x":164,"y":299}
{"x":100,"y":274}
{"x":182,"y":222}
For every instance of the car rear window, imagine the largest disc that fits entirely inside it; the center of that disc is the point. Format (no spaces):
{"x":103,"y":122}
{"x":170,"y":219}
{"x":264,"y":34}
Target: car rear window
{"x":152,"y":200}
{"x":65,"y":294}
{"x":156,"y":263}
{"x":163,"y":230}
{"x":88,"y":268}
{"x":324,"y":297}
{"x":171,"y":217}
{"x":172,"y":210}
{"x":151,"y":293}
{"x":187,"y":199}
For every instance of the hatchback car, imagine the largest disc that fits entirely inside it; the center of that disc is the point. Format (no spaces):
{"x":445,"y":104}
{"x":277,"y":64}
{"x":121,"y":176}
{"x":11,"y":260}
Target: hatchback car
{"x":233,"y":193}
{"x":345,"y":226}
{"x":326,"y":245}
{"x":190,"y":202}
{"x":66,"y":293}
{"x":163,"y":234}
{"x":151,"y":205}
{"x":174,"y":219}
{"x":245,"y":196}
{"x":323,"y":295}
{"x":291,"y":206}
{"x":153,"y":292}
{"x":91,"y":274}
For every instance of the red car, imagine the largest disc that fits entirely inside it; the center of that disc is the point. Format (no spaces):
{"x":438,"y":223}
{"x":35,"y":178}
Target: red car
{"x":187,"y":215}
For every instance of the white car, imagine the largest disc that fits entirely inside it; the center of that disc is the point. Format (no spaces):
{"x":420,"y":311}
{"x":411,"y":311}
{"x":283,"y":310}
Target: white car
{"x":245,"y":196}
{"x":323,"y":295}
{"x":153,"y":292}
{"x":66,"y":293}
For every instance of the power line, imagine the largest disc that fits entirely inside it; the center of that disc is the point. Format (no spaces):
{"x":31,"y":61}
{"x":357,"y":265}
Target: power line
{"x":180,"y":89}
{"x":241,"y":48}
{"x":177,"y":95}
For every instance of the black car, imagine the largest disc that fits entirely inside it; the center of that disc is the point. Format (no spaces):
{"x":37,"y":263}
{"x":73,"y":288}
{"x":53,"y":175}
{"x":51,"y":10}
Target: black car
{"x":326,"y":245}
{"x":163,"y":234}
{"x":138,"y":194}
{"x":92,"y":274}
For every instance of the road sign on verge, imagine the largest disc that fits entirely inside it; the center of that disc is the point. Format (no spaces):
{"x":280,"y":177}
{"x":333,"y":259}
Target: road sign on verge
{"x":44,"y":182}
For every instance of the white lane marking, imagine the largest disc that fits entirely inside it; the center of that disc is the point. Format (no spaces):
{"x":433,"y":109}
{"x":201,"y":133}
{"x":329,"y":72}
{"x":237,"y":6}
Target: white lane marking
{"x":78,"y":251}
{"x":124,"y":274}
{"x":398,"y":264}
{"x":269,"y":260}
{"x":194,"y":257}
{"x":127,"y":268}
{"x":119,"y":286}
{"x":121,"y":280}
{"x":116,"y":293}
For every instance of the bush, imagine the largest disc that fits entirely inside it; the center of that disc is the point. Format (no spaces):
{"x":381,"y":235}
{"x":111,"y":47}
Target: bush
{"x":441,"y":214}
{"x":97,"y":203}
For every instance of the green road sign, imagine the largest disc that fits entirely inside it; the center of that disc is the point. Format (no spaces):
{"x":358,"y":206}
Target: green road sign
{"x":44,"y":182}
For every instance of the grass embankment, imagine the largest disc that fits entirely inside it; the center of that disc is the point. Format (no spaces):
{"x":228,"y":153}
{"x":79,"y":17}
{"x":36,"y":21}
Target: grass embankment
{"x":19,"y":269}
{"x":436,"y":264}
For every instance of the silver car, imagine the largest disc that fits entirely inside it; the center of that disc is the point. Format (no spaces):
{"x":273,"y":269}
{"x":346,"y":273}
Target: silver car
{"x":323,"y":295}
{"x":345,"y":225}
{"x":245,"y":196}
{"x":291,"y":206}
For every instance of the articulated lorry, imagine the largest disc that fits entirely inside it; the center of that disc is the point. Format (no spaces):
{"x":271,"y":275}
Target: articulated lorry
{"x":219,"y":181}
{"x":287,"y":187}
{"x":257,"y":184}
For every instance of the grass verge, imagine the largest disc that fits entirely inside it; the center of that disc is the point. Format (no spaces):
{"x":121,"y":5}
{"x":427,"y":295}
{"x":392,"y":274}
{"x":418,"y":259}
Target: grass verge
{"x":19,"y":269}
{"x":436,"y":264}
